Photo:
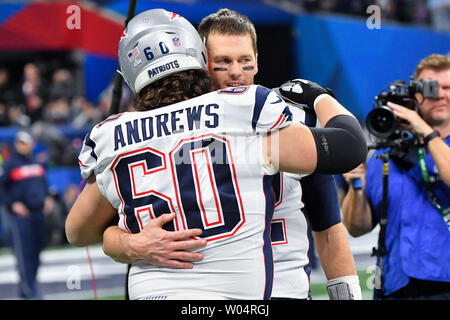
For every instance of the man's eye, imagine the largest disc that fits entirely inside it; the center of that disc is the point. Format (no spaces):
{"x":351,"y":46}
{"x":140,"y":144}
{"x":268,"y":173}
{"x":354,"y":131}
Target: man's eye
{"x":246,"y":59}
{"x":223,"y":61}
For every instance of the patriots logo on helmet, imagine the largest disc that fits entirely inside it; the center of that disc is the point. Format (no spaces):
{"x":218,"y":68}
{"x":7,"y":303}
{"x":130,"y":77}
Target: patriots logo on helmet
{"x":174,"y":15}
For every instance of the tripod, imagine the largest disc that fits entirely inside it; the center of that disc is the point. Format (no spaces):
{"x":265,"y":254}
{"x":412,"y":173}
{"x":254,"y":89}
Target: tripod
{"x":380,"y":252}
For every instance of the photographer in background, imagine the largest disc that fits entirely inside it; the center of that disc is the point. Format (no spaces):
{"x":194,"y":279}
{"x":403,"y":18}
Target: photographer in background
{"x":416,"y":258}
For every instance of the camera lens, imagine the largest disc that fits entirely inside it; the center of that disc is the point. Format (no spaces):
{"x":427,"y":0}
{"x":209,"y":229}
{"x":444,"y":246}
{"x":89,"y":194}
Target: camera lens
{"x":381,"y":122}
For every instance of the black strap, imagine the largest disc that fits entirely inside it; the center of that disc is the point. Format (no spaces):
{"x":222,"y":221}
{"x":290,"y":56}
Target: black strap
{"x":432,"y":135}
{"x":380,"y":252}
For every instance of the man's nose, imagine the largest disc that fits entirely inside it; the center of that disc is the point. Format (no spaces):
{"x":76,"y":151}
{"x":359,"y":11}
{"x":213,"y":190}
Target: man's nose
{"x":235,"y":69}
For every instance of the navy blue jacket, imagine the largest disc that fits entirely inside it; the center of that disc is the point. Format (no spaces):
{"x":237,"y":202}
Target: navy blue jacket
{"x":23,"y":179}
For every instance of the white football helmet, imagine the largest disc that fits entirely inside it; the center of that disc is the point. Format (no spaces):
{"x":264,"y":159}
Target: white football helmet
{"x":157,"y":43}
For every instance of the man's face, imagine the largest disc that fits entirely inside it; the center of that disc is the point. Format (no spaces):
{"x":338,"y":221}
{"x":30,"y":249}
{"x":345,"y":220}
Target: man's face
{"x":232,"y":60}
{"x":437,"y":112}
{"x":24,"y":148}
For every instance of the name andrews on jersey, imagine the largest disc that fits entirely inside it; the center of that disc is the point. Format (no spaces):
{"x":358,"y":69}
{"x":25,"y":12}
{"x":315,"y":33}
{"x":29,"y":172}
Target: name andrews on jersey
{"x":165,"y":124}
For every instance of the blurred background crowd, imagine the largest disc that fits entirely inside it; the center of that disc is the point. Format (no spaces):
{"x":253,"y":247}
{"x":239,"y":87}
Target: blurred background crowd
{"x":44,"y":102}
{"x":433,"y":13}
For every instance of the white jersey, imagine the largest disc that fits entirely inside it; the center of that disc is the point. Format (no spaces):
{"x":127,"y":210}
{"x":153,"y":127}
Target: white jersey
{"x":289,"y":236}
{"x":202,"y":159}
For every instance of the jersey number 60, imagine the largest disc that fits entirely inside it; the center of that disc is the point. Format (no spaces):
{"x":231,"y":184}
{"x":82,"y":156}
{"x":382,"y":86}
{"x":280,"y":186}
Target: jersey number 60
{"x":204,"y":179}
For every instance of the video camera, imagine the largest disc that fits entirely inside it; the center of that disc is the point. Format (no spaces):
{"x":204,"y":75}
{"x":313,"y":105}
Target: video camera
{"x":382,"y":122}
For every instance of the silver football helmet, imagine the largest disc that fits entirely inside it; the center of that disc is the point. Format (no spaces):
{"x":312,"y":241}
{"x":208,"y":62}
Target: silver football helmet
{"x":157,"y":43}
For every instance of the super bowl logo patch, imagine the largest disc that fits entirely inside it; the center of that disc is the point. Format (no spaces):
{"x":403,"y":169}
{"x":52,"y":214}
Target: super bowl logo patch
{"x":176,"y":42}
{"x":133,"y":54}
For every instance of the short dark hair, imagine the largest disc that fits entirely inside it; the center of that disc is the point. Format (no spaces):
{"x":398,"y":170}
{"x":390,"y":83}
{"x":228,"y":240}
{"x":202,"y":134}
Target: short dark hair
{"x":226,"y":21}
{"x":177,"y":87}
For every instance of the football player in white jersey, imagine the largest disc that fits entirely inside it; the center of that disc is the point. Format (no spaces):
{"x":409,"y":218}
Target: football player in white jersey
{"x":207,"y":161}
{"x":315,"y":196}
{"x":231,"y":43}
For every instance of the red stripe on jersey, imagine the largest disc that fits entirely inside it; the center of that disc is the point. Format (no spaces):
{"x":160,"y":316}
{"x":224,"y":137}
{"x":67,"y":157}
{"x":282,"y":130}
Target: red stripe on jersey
{"x":280,"y":120}
{"x":111,"y":118}
{"x":82,"y":164}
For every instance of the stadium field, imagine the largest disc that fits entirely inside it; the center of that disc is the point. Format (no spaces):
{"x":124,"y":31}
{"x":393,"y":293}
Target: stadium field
{"x":65,"y":273}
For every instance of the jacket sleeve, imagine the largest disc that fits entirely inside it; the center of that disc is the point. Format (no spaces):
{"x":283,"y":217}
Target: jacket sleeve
{"x":5,"y":170}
